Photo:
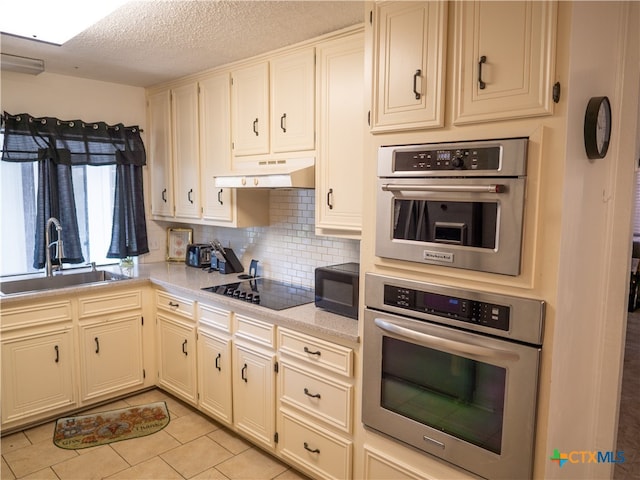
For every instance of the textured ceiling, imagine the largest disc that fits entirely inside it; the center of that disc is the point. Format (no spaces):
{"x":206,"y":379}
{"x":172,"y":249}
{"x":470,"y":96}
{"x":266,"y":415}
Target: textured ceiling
{"x":152,"y":41}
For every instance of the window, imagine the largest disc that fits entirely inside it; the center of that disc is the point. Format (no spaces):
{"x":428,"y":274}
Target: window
{"x":94,"y":197}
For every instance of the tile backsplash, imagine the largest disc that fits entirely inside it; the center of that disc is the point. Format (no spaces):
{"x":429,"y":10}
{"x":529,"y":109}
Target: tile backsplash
{"x":288,"y":248}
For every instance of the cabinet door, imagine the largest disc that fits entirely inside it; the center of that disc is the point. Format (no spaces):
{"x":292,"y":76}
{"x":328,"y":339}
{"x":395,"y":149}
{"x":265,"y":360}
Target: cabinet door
{"x":341,"y":126}
{"x":159,"y":110}
{"x":250,"y":110}
{"x":215,"y":145}
{"x":293,"y":102}
{"x":186,"y":158}
{"x":37,"y":375}
{"x":177,"y":357}
{"x":254,"y":393}
{"x":503,"y":59}
{"x":409,"y":58}
{"x":214,"y":375}
{"x":111,"y":356}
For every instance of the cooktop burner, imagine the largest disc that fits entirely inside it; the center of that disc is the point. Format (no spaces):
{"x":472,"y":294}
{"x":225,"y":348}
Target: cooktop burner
{"x":266,"y":293}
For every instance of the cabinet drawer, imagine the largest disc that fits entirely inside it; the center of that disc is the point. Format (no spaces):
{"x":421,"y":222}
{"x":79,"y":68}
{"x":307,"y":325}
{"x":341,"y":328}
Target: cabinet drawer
{"x":214,"y":317}
{"x":317,"y":395}
{"x":320,"y":451}
{"x":111,"y":303}
{"x":255,"y":331}
{"x":36,"y":315}
{"x":175,"y":304}
{"x":314,"y":351}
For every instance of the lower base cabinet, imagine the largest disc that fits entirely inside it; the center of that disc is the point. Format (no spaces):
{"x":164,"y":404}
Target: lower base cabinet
{"x":214,"y":375}
{"x":378,"y":466}
{"x":177,"y":357}
{"x":37,"y":375}
{"x":316,"y":449}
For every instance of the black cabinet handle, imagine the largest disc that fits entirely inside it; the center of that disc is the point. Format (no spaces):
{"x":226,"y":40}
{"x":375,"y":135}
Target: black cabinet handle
{"x":184,"y":348}
{"x":174,"y":305}
{"x":282,"y":124}
{"x":164,"y":195}
{"x":481,"y":84}
{"x":57,"y":353}
{"x":97,"y":345}
{"x":218,"y":362}
{"x":220,"y":197}
{"x":189,"y":193}
{"x":317,"y":352}
{"x":330,"y":199}
{"x":244,"y":372}
{"x":307,"y":448}
{"x":255,"y":127}
{"x":415,"y":83}
{"x":312,"y":395}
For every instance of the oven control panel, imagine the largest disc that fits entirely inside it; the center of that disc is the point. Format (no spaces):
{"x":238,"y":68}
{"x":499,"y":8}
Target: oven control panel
{"x":465,"y":310}
{"x":480,"y":158}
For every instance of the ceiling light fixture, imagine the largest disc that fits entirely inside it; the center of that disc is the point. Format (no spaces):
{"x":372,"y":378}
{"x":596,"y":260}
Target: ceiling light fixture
{"x":14,"y":63}
{"x":53,"y":22}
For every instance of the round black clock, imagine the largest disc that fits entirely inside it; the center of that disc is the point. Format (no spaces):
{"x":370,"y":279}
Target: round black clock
{"x":597,"y":127}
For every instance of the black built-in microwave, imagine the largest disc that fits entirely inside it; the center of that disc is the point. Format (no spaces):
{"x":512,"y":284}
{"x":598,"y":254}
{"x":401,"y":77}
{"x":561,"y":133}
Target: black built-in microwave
{"x":337,"y":289}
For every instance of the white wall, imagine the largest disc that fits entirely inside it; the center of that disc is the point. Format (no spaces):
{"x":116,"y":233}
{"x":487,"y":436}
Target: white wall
{"x":595,"y":248}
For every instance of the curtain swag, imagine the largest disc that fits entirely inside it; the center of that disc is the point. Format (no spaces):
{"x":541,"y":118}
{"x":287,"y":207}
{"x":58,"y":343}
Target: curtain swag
{"x":28,"y":139}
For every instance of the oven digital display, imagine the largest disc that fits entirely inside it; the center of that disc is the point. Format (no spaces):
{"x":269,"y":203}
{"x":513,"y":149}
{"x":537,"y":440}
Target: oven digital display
{"x":444,"y":155}
{"x":440,"y":303}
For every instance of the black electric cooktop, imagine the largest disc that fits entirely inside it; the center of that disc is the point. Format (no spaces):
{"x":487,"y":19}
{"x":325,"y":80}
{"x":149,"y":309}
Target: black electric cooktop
{"x":266,"y":293}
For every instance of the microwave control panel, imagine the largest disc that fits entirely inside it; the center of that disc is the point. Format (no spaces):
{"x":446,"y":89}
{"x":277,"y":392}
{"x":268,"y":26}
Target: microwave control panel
{"x":446,"y":306}
{"x":480,"y":158}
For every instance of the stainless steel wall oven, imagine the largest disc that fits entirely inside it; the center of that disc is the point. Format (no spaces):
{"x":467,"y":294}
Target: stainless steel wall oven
{"x":453,"y":372}
{"x":453,"y":204}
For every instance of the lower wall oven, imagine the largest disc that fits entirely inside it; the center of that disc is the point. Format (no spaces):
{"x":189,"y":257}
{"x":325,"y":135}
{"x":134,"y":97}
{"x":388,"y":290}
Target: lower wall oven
{"x":453,"y":372}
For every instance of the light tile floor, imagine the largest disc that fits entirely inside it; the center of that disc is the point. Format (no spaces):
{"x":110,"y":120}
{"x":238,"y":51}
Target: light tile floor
{"x":192,"y":446}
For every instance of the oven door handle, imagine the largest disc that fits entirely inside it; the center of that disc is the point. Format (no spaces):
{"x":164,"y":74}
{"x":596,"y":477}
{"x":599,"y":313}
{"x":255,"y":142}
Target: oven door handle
{"x":452,"y":345}
{"x":491,"y":188}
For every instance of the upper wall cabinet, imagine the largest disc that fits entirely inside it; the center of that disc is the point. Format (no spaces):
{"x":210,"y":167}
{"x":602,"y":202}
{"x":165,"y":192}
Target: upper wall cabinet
{"x":186,"y":171}
{"x":159,"y":111}
{"x":273,"y":105}
{"x":409,"y":46}
{"x":504,"y":58}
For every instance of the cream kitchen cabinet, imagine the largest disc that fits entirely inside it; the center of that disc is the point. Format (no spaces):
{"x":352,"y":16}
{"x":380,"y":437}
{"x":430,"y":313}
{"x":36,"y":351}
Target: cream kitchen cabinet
{"x":37,"y":375}
{"x":177,"y":346}
{"x":409,"y":62}
{"x":223,"y":206}
{"x":111,"y":344}
{"x":185,"y":151}
{"x":380,"y":466}
{"x":341,"y":126}
{"x":214,"y":363}
{"x":254,"y":363}
{"x":38,"y":361}
{"x":503,"y":60}
{"x":273,"y":105}
{"x":316,"y":393}
{"x":159,"y":151}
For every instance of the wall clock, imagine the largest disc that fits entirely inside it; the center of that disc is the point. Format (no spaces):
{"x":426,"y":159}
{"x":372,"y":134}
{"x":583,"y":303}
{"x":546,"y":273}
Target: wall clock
{"x":597,"y":127}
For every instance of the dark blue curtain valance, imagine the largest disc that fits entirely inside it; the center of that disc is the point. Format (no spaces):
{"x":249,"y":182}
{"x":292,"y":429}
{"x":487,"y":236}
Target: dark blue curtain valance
{"x":74,"y":142}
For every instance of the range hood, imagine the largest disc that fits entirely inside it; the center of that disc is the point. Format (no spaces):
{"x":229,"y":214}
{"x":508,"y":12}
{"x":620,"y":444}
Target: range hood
{"x":286,"y":173}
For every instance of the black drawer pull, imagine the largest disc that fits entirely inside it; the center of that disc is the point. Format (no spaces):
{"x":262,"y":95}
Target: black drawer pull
{"x":97,"y":345}
{"x":57,"y":353}
{"x":481,"y":84}
{"x":306,"y":447}
{"x":312,"y":395}
{"x":415,"y":83}
{"x":317,"y":352}
{"x":243,"y":373}
{"x":220,"y":197}
{"x":184,"y":348}
{"x":255,"y":127}
{"x":174,"y":305}
{"x":164,"y":195}
{"x":218,"y":362}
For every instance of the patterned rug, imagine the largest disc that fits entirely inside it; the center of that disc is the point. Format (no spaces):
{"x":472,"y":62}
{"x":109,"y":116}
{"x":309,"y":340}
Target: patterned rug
{"x":83,"y":431}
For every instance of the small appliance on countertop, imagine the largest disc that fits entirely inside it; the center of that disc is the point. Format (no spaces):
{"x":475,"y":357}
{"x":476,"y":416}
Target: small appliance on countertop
{"x":199,"y":255}
{"x":226,"y":259}
{"x":337,"y":289}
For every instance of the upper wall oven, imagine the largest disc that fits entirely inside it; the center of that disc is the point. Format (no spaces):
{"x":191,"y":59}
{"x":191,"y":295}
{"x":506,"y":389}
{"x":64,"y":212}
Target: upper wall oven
{"x":453,"y":204}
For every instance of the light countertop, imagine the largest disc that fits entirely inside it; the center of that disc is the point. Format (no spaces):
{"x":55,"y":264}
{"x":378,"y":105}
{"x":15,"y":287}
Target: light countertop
{"x":180,"y":279}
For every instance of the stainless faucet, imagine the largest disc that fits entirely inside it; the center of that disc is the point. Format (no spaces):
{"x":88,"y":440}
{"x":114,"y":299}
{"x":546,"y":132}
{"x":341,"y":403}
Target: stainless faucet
{"x":49,"y":268}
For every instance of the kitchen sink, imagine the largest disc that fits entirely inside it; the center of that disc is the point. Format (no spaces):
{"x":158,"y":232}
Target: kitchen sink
{"x":66,"y":279}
